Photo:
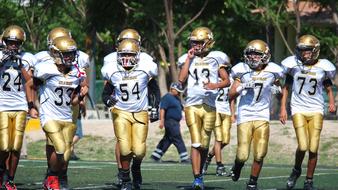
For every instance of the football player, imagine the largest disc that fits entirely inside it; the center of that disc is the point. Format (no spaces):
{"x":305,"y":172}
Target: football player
{"x":60,"y":85}
{"x":253,"y":81}
{"x":81,"y":61}
{"x":153,"y":90}
{"x":15,"y":70}
{"x":225,"y":116}
{"x":126,"y":92}
{"x":202,"y":69}
{"x":308,"y":76}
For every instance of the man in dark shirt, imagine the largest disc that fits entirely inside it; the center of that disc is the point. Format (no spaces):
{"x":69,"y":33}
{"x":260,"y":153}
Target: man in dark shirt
{"x":170,"y":116}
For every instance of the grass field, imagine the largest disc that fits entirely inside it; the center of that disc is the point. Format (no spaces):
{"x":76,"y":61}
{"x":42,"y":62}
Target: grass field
{"x":165,"y":176}
{"x":97,"y":169}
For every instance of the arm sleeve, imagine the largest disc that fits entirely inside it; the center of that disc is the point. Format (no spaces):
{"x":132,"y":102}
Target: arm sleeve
{"x":107,"y":92}
{"x":153,"y":93}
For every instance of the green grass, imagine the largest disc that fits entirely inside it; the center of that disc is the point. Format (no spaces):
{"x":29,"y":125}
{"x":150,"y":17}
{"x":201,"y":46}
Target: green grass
{"x":165,"y":176}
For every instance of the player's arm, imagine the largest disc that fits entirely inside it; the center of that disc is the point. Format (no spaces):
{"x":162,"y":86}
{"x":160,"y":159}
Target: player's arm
{"x":233,"y":110}
{"x":31,"y":87}
{"x":106,"y":95}
{"x":328,"y":87}
{"x":154,"y":93}
{"x":234,"y":90}
{"x":283,"y":116}
{"x":183,"y":75}
{"x":79,"y":93}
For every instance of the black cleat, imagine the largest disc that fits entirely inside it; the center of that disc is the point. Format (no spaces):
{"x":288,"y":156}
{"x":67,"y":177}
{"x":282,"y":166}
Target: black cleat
{"x":291,"y":182}
{"x":126,"y":186}
{"x":251,"y":187}
{"x":222,"y":171}
{"x":308,"y":185}
{"x":137,"y":179}
{"x":235,"y":173}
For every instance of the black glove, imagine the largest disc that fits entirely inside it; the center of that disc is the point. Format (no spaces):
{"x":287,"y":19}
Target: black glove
{"x":110,"y":102}
{"x":154,"y":115}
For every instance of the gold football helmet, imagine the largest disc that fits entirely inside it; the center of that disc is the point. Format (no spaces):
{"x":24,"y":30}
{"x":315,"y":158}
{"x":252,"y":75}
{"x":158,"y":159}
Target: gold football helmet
{"x":128,"y":52}
{"x":203,"y":36}
{"x":307,"y":43}
{"x":64,"y":50}
{"x":129,"y":33}
{"x":257,"y":53}
{"x":57,"y":32}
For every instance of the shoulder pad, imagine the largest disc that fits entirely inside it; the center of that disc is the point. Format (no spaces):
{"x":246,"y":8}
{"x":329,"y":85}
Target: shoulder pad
{"x":29,"y":59}
{"x":44,"y":70}
{"x":42,"y":56}
{"x":182,"y":59}
{"x":221,"y":57}
{"x":239,"y":69}
{"x":84,"y":61}
{"x":328,"y":67}
{"x":148,"y":65}
{"x":110,"y":58}
{"x":289,"y":62}
{"x":145,"y":56}
{"x":275,"y":69}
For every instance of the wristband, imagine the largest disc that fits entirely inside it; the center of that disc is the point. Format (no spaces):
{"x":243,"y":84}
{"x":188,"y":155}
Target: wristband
{"x":239,"y":89}
{"x":31,"y":105}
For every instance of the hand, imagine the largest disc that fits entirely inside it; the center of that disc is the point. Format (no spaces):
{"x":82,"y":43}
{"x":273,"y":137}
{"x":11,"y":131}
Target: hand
{"x":84,"y":90}
{"x":233,"y":118}
{"x":111,"y":101}
{"x":34,"y":113}
{"x":276,"y":89}
{"x":191,"y":53}
{"x":209,"y":86}
{"x":161,"y":126}
{"x":83,"y":109}
{"x":283,"y":116}
{"x":154,"y":116}
{"x":332,"y":108}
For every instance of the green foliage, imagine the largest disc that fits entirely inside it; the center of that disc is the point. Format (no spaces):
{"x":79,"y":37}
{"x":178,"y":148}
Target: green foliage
{"x":234,"y":23}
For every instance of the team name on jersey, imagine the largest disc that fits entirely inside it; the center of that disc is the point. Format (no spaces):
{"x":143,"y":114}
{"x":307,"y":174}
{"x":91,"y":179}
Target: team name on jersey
{"x":126,"y":78}
{"x":259,"y":78}
{"x":66,"y":83}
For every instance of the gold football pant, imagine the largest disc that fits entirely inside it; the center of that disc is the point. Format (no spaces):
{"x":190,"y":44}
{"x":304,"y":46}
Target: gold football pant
{"x":222,"y":128}
{"x":201,"y":121}
{"x":308,"y":127}
{"x":60,"y":135}
{"x":256,"y":131}
{"x":131,"y":130}
{"x":12,"y":127}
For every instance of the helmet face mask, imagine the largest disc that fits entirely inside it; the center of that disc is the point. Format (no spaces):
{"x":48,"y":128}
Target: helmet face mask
{"x":128,"y":54}
{"x":257,"y":54}
{"x":307,"y":49}
{"x":202,"y":40}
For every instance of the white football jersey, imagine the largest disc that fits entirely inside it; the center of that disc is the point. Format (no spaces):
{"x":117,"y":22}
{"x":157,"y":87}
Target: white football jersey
{"x":12,"y":90}
{"x":82,"y":59}
{"x":222,"y":100}
{"x":131,"y":87}
{"x":55,"y":93}
{"x":254,"y":104}
{"x":110,"y":60}
{"x":203,"y":70}
{"x":307,"y":88}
